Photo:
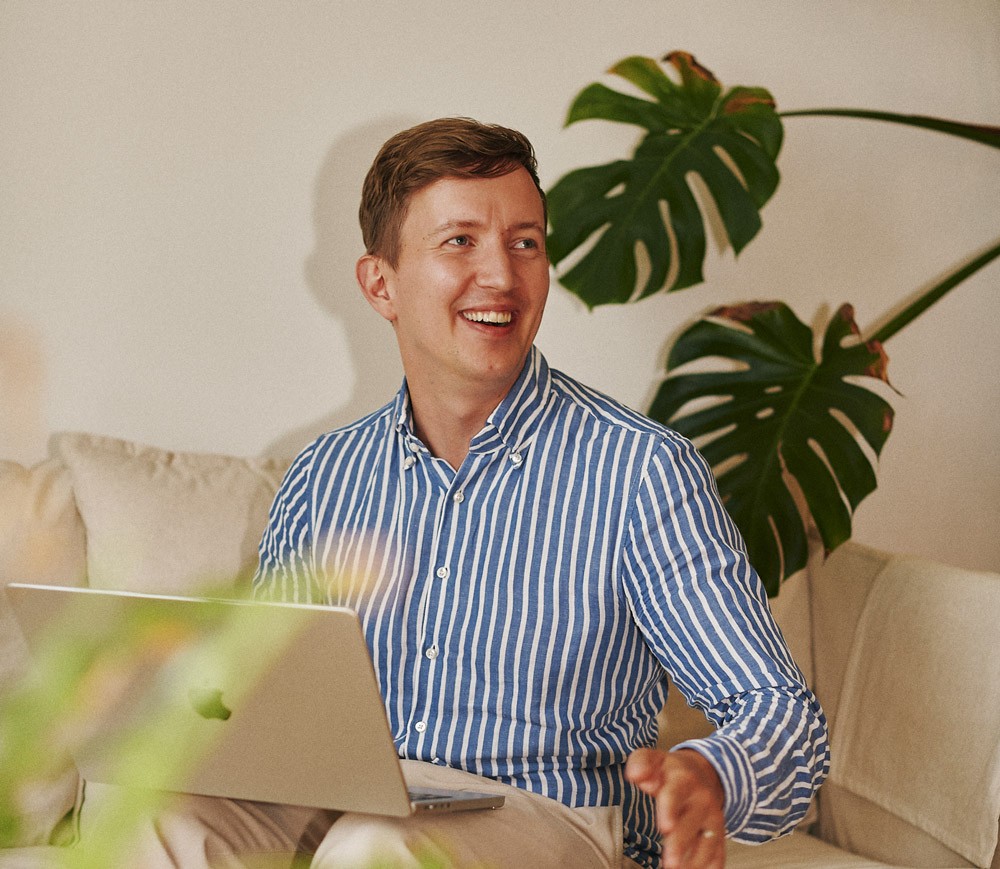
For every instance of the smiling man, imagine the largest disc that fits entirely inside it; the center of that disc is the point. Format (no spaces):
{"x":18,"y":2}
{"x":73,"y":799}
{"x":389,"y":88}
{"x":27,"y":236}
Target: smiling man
{"x":529,"y":559}
{"x":536,"y":557}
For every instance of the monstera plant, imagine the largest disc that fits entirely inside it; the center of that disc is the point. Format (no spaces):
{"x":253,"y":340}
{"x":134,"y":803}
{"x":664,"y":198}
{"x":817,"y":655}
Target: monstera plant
{"x":781,"y":425}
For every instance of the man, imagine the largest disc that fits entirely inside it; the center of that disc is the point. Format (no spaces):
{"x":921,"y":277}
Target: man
{"x":528,"y":557}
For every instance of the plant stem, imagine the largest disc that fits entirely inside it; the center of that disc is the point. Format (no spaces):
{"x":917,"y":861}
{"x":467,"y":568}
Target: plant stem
{"x":938,"y":291}
{"x":981,"y":133}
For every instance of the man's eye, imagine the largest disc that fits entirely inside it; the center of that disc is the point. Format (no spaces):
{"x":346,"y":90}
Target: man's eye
{"x":526,"y":244}
{"x":459,"y":241}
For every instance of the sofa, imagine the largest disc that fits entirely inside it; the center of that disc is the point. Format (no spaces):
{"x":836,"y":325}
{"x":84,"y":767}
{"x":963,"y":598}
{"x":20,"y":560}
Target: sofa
{"x":897,"y":649}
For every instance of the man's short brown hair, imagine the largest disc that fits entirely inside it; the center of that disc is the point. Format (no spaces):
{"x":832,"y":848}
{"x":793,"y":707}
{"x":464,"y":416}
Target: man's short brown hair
{"x":421,"y":155}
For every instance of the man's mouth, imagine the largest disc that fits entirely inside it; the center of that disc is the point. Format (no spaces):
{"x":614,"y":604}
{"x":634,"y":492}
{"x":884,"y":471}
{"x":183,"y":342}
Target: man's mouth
{"x":490,"y":318}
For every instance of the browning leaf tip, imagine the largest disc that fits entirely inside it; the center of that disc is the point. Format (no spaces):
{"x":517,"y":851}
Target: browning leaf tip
{"x":879,"y":366}
{"x":846,"y":313}
{"x":681,"y":60}
{"x":743,"y":101}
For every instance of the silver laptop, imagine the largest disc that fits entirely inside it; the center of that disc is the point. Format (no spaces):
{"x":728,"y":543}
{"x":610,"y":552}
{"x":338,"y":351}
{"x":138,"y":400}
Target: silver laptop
{"x":240,"y":699}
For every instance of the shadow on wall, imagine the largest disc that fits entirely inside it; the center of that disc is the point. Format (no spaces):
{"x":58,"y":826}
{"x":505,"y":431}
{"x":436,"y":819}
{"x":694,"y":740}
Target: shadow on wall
{"x":22,"y":386}
{"x":329,"y":273}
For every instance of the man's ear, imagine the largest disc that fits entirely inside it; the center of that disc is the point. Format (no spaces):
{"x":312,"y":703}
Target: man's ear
{"x":371,"y":272}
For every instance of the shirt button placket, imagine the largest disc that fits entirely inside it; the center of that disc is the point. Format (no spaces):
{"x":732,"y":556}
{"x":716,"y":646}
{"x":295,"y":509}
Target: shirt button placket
{"x":442,"y":572}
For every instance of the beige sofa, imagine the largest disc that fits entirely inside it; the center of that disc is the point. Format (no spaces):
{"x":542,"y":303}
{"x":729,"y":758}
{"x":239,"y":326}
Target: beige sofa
{"x":900,"y":651}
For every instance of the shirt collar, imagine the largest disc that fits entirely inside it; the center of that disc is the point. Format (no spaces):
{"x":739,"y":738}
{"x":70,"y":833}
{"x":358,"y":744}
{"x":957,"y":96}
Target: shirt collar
{"x":402,"y":413}
{"x":514,"y":420}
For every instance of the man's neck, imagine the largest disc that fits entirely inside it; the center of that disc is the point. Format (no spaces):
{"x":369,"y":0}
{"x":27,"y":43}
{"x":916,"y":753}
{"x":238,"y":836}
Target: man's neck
{"x":447,"y":421}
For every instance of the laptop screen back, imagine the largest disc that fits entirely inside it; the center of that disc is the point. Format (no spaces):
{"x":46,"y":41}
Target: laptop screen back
{"x":271,"y":702}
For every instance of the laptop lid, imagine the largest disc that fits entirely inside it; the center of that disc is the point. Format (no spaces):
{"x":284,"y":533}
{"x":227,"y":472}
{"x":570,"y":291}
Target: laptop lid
{"x":248,"y":700}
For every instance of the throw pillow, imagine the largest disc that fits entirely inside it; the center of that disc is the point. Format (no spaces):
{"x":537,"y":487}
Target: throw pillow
{"x":168,"y":522}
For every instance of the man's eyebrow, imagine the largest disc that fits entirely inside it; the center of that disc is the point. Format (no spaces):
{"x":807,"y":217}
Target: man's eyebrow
{"x":452,"y":225}
{"x":530,"y":224}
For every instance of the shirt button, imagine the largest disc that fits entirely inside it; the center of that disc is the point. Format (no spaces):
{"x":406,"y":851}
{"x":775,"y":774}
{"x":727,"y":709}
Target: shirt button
{"x":420,"y":726}
{"x":432,"y":652}
{"x":516,"y":459}
{"x":442,"y":572}
{"x":459,"y":496}
{"x":409,"y":462}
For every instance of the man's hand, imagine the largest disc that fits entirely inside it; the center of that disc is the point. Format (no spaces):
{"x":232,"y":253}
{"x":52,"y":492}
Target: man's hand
{"x":689,"y":805}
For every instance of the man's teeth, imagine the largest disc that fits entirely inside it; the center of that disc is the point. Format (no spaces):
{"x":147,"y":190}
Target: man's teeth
{"x":496,"y":317}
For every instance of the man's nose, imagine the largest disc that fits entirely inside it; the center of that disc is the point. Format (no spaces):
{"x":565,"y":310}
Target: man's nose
{"x":495,"y":268}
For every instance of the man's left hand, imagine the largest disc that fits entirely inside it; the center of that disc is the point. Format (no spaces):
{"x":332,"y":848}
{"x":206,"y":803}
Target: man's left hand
{"x":689,"y":805}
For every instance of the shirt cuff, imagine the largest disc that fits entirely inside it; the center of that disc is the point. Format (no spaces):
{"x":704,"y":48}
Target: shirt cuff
{"x":732,"y":764}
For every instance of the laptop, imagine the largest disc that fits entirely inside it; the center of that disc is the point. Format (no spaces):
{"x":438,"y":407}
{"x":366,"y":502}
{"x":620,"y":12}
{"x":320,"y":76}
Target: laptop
{"x":259,"y":701}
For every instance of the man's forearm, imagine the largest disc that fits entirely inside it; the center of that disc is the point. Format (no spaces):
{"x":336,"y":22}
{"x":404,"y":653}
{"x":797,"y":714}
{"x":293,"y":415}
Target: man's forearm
{"x":771,"y":754}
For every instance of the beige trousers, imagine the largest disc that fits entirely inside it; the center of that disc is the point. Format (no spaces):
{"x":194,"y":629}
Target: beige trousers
{"x":212,"y":833}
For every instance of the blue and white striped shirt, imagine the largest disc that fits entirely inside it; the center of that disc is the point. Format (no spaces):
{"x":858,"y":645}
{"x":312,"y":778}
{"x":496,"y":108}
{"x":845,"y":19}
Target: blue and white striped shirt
{"x":521,"y":611}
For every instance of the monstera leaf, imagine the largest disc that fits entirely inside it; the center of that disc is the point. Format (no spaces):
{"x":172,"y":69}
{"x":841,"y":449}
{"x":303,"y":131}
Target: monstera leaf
{"x":783,"y":428}
{"x":729,"y":141}
{"x":781,"y":413}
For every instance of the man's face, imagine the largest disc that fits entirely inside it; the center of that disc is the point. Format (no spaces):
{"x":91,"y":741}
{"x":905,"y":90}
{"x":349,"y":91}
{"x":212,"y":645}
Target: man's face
{"x":468,"y":290}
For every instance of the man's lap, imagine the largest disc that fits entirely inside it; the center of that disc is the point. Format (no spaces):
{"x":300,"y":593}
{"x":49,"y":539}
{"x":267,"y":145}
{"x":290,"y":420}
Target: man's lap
{"x":529,"y":830}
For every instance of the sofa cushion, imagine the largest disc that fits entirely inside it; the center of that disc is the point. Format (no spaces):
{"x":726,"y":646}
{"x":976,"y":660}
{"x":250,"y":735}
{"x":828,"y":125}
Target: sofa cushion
{"x":168,"y":522}
{"x":917,"y":675}
{"x":41,"y":541}
{"x":796,"y":850}
{"x":859,"y":826}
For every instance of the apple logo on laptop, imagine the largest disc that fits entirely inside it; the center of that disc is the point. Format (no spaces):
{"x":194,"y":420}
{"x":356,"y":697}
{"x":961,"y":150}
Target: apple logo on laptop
{"x":207,"y":702}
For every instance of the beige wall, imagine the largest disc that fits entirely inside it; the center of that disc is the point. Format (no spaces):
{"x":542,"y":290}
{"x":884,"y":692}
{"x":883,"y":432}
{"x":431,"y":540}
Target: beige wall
{"x":178,"y":184}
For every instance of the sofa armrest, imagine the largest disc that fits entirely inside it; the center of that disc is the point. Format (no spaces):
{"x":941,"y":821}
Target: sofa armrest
{"x":41,"y":540}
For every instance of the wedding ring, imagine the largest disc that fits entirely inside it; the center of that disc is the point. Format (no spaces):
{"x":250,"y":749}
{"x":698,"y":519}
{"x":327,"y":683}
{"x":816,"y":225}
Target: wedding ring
{"x":708,"y":834}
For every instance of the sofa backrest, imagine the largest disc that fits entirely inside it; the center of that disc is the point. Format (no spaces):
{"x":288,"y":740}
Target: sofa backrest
{"x":838,"y":591}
